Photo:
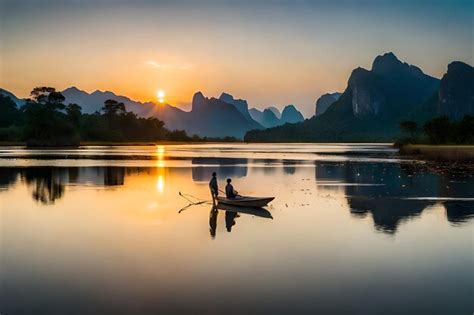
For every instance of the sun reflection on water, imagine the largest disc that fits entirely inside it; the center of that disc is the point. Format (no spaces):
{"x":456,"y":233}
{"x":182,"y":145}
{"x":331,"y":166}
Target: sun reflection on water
{"x":160,"y":183}
{"x":160,"y":164}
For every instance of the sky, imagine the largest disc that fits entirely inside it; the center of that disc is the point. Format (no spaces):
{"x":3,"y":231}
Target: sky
{"x":271,"y":53}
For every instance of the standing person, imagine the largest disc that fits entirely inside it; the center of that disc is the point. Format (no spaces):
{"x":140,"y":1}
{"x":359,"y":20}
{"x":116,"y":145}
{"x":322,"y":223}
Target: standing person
{"x":213,"y":186}
{"x":229,"y":190}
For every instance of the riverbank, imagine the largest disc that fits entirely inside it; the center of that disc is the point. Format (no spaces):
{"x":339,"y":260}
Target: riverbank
{"x":439,"y":152}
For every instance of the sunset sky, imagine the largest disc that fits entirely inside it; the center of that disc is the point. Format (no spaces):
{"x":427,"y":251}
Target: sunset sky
{"x":268,"y":52}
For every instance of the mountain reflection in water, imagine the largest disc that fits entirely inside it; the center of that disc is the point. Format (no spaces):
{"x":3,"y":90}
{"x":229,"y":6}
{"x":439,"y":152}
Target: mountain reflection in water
{"x":387,"y":191}
{"x":104,"y":236}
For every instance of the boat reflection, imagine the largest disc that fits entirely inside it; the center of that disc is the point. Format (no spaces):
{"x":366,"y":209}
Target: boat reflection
{"x":256,"y":211}
{"x":232,"y":213}
{"x":388,"y":193}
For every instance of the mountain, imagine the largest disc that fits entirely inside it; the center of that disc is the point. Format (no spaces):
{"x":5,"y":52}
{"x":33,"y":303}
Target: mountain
{"x":275,"y":111}
{"x":90,"y":103}
{"x":324,"y":101}
{"x":271,"y":116}
{"x":256,"y":114}
{"x":208,"y":117}
{"x":241,"y":105}
{"x":213,"y":117}
{"x":291,"y":115}
{"x":391,"y":87}
{"x":456,"y":91}
{"x":16,"y":100}
{"x":370,"y":108}
{"x":269,"y":119}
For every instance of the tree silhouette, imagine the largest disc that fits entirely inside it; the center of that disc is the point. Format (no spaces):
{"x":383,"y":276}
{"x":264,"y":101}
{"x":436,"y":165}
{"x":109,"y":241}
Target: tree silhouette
{"x":9,"y":112}
{"x":46,"y":124}
{"x":438,"y":130}
{"x":111,"y":109}
{"x":73,"y":112}
{"x":409,"y":127}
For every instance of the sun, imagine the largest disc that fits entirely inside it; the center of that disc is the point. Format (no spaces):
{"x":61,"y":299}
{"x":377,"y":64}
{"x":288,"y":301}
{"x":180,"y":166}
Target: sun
{"x":161,"y":95}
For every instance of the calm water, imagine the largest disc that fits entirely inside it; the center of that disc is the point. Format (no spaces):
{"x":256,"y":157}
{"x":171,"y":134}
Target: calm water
{"x":353,"y":229}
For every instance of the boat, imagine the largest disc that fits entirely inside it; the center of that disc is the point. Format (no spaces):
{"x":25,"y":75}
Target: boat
{"x":245,"y":201}
{"x":256,"y":211}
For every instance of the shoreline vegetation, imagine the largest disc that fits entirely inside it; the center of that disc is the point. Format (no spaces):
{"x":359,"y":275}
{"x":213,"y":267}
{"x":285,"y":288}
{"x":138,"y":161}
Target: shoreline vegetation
{"x":457,"y":153}
{"x":46,"y":121}
{"x":439,"y":139}
{"x":115,"y":143}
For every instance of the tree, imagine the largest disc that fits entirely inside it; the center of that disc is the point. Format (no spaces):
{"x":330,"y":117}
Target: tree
{"x":73,"y":112}
{"x":40,"y":94}
{"x":46,"y":123}
{"x":464,"y":131}
{"x":10,"y":114}
{"x":409,"y":127}
{"x":112,"y":108}
{"x":438,"y":130}
{"x":49,"y":97}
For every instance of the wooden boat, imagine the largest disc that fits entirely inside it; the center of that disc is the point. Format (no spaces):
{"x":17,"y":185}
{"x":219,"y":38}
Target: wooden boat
{"x":245,"y":201}
{"x":256,"y":211}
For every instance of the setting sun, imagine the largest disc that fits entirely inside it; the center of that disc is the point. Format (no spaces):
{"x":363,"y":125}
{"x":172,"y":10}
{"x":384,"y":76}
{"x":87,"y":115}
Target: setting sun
{"x":161,"y":95}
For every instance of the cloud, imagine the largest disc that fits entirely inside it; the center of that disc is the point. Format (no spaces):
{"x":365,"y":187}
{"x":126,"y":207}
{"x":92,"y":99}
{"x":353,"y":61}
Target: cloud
{"x":163,"y":66}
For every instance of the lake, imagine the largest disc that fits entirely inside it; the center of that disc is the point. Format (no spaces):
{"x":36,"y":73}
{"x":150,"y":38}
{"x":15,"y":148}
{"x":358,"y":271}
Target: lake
{"x":354,"y":229}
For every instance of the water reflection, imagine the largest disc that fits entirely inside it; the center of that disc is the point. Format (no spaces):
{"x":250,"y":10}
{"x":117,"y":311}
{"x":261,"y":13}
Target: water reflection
{"x":7,"y":177}
{"x":225,"y":167}
{"x":289,"y":167}
{"x":230,"y":220}
{"x":231,"y":213}
{"x":390,"y":193}
{"x":110,"y":240}
{"x":46,"y":183}
{"x":213,"y":221}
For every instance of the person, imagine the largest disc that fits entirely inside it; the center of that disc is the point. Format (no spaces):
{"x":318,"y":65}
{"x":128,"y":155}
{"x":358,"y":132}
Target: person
{"x":229,"y":190}
{"x":213,"y":186}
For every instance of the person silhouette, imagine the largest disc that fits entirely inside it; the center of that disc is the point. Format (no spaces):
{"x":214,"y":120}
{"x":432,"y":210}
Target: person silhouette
{"x":214,"y":187}
{"x":213,"y":221}
{"x":229,"y":190}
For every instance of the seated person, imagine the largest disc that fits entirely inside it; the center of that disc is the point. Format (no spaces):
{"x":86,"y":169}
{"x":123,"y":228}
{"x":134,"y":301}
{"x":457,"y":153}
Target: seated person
{"x":229,"y":190}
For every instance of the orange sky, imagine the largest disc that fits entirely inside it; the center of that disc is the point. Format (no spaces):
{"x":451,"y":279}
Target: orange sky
{"x":269,"y":54}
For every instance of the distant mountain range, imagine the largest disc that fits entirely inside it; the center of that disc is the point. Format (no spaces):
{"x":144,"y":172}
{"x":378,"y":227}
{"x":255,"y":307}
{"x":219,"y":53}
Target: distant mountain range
{"x":271,"y":116}
{"x":376,"y":100}
{"x":370,"y":109}
{"x":210,"y":117}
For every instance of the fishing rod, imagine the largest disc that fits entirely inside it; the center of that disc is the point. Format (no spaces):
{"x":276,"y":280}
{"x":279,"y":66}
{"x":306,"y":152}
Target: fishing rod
{"x":197,"y":201}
